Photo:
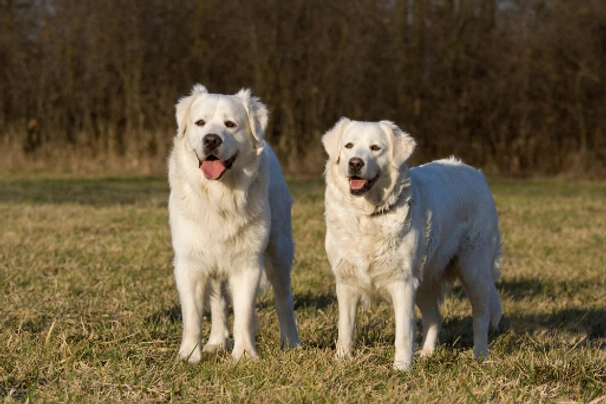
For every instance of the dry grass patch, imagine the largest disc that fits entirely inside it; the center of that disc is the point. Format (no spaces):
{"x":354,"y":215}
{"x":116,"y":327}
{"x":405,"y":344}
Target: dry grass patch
{"x":90,"y":310}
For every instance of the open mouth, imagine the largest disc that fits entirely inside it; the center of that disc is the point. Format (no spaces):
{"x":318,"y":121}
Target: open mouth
{"x":360,"y":186}
{"x":214,"y":168}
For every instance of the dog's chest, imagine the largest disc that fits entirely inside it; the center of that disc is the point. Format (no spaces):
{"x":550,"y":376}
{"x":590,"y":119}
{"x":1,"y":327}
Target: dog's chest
{"x":374,"y":251}
{"x":213,"y":239}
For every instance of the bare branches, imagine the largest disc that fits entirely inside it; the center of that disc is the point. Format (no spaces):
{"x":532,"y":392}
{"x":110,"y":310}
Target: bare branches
{"x":511,"y":86}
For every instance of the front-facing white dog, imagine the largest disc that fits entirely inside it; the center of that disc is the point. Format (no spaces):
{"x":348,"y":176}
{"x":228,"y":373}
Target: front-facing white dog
{"x":230,"y":218}
{"x":404,"y":234}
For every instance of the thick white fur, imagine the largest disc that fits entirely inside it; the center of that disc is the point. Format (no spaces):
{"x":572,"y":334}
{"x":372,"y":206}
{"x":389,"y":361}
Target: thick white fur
{"x":409,"y":236}
{"x":226,"y":231}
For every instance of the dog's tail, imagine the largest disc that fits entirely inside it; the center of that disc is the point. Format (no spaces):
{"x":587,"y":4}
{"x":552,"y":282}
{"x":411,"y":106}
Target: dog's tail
{"x":496,"y":259}
{"x":496,"y":308}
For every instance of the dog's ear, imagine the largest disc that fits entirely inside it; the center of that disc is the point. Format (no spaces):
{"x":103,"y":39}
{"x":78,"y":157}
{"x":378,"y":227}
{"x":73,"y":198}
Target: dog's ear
{"x":258,"y":117}
{"x":332,"y":139}
{"x":401,"y":143}
{"x":182,"y":107}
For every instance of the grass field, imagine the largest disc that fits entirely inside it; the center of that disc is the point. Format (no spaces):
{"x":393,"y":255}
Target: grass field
{"x":90,"y":313}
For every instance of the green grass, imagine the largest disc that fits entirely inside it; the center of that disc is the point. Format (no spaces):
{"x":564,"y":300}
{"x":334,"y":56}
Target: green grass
{"x":90,"y":311}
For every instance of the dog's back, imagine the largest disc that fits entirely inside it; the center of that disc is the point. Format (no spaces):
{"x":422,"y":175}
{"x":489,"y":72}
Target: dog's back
{"x":460,"y":212}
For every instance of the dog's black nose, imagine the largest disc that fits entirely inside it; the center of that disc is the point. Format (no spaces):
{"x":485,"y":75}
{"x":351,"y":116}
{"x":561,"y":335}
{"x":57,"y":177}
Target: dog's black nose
{"x":211,"y":141}
{"x":356,"y":164}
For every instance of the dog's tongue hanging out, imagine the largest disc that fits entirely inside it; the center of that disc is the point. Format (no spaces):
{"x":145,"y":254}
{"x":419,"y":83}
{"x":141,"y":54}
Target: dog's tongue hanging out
{"x":212,"y":169}
{"x":357,"y":184}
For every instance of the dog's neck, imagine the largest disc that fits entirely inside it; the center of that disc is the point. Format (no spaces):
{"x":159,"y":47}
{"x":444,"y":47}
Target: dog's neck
{"x":397,"y":191}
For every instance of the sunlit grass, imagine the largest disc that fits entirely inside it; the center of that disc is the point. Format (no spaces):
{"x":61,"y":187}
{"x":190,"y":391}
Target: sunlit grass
{"x":90,"y":311}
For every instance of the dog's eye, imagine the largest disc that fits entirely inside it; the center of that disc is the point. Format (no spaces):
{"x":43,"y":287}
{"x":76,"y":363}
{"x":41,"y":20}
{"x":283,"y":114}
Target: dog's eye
{"x":230,"y":124}
{"x":200,"y":122}
{"x":374,"y":147}
{"x":349,"y":145}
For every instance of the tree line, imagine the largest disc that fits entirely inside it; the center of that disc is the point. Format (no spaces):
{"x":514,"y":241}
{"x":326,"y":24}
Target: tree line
{"x":516,"y":87}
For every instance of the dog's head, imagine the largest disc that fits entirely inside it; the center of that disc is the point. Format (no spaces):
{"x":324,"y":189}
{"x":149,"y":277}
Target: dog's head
{"x":224,"y":131}
{"x":367,"y":154}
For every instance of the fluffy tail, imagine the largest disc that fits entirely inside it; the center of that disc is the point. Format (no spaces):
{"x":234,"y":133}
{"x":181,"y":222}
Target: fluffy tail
{"x":496,"y":309}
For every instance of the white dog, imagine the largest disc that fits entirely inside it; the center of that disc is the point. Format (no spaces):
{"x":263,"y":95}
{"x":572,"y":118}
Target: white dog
{"x":230,"y":218}
{"x":404,"y":234}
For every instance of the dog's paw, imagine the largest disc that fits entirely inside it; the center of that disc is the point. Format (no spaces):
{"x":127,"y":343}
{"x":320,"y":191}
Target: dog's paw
{"x":424,"y":353}
{"x":402,"y":365}
{"x":191,"y":355}
{"x":480,"y":354}
{"x":215,"y":348}
{"x":219,"y":345}
{"x":288,"y":343}
{"x":243,"y":354}
{"x":343,"y":353}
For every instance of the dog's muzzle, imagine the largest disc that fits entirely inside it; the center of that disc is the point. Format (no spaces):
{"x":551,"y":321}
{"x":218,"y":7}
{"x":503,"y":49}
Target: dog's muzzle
{"x":359,"y":186}
{"x":214,"y":168}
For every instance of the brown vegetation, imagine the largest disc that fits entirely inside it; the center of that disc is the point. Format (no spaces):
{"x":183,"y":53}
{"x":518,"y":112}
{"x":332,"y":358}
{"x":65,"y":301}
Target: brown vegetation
{"x":513,"y":86}
{"x":90,"y":311}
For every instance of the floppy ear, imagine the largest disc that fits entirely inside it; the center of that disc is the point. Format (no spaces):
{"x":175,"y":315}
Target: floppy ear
{"x":258,"y":116}
{"x":182,"y":107}
{"x":401,"y":143}
{"x":332,"y":139}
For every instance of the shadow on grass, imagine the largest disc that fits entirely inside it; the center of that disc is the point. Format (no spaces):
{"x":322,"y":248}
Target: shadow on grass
{"x":589,"y":323}
{"x":457,"y":332}
{"x":302,"y":302}
{"x":172,"y":315}
{"x":517,"y":289}
{"x":317,"y":302}
{"x":97,"y":192}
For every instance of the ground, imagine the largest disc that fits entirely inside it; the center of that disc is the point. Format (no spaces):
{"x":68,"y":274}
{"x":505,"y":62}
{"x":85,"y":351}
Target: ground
{"x":90,"y":309}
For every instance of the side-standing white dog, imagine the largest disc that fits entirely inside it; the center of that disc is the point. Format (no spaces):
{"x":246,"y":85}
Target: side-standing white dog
{"x":230,"y":218}
{"x":405,"y":234}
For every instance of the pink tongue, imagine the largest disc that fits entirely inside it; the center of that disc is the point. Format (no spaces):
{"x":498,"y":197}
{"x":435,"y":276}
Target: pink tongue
{"x":357,"y":184}
{"x":212,"y":169}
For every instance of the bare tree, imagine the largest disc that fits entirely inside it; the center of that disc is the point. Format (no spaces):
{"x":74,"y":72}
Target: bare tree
{"x":513,"y":86}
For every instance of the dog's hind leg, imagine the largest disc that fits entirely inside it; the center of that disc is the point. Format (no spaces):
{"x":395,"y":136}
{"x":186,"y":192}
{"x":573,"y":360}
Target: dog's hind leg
{"x":219,"y":331}
{"x":277,"y":268}
{"x":474,"y":271}
{"x":428,"y":300}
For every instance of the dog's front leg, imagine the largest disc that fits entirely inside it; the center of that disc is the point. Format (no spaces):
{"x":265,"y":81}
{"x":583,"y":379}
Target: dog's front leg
{"x":348,"y":299}
{"x":403,"y":297}
{"x":192,"y":288}
{"x":244,"y":285}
